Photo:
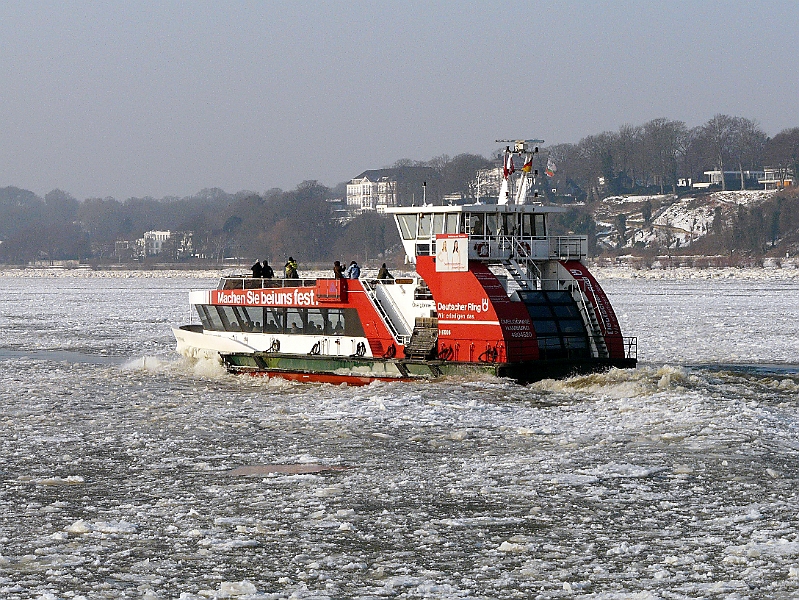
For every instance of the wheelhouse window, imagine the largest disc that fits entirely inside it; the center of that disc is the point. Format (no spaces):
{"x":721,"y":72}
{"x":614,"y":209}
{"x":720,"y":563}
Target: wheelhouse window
{"x":407,"y":225}
{"x":491,"y":224}
{"x":474,"y":223}
{"x":509,"y":224}
{"x":540,"y":229}
{"x":533,"y":225}
{"x":425,"y":222}
{"x":438,"y":223}
{"x":452,"y":223}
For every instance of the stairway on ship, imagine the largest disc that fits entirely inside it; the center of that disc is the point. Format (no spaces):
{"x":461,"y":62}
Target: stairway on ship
{"x":423,"y":344}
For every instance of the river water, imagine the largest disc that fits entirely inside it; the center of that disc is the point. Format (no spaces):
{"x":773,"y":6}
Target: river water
{"x":128,"y":472}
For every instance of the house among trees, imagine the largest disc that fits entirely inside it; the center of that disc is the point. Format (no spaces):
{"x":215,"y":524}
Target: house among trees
{"x":732,"y":180}
{"x":777,"y":178}
{"x":378,"y":189}
{"x":154,"y":241}
{"x":171,"y":246}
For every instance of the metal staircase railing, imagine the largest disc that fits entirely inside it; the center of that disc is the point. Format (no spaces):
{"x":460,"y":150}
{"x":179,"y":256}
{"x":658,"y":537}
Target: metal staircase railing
{"x":520,"y":264}
{"x":378,"y":305}
{"x":597,"y":340}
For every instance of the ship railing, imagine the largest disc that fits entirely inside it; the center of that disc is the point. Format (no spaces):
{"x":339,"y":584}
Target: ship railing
{"x":245,"y":282}
{"x":505,"y":247}
{"x":558,"y":284}
{"x":569,"y":247}
{"x":575,"y":346}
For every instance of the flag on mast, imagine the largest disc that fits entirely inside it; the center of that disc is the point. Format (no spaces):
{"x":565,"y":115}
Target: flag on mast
{"x":528,"y":164}
{"x":551,"y":168}
{"x":508,"y":168}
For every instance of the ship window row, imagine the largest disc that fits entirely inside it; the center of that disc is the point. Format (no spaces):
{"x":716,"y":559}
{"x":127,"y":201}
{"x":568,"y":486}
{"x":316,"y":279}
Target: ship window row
{"x":265,"y":319}
{"x":558,"y":325}
{"x":553,"y":346}
{"x":424,"y":226}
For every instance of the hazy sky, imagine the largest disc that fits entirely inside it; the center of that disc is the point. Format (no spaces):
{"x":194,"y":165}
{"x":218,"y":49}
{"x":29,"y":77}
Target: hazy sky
{"x":165,"y":98}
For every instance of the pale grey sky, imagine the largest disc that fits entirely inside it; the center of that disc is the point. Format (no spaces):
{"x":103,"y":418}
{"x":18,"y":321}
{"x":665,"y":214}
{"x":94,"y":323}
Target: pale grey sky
{"x":167,"y":98}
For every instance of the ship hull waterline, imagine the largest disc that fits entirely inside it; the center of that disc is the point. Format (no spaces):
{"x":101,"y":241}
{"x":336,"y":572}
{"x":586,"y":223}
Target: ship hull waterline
{"x":362,"y":371}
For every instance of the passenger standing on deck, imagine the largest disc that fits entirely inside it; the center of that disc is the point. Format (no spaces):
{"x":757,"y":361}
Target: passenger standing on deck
{"x":353,"y":271}
{"x":266,"y":271}
{"x":290,"y":269}
{"x":256,"y":269}
{"x":338,"y":272}
{"x":383,"y":273}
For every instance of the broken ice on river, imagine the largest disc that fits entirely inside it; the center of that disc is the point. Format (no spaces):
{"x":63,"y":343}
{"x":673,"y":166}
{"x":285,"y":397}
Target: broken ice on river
{"x":128,"y":472}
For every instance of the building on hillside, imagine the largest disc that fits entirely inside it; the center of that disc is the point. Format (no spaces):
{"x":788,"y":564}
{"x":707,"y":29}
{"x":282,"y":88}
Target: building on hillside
{"x":487,"y":183}
{"x":732,"y":179}
{"x":154,"y":241}
{"x":338,"y":210}
{"x":170,"y":245}
{"x":378,"y":189}
{"x":183,"y":245}
{"x":777,"y":178}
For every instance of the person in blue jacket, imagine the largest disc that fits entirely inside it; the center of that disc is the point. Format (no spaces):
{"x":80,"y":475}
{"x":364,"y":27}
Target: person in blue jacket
{"x":353,"y":271}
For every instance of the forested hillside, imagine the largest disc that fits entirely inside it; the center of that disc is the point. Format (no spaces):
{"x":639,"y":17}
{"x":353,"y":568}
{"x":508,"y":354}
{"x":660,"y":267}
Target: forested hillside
{"x":273,"y":226}
{"x":628,"y":191}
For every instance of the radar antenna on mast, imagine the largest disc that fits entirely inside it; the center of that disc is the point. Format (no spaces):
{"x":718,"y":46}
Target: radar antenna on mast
{"x":523,"y":146}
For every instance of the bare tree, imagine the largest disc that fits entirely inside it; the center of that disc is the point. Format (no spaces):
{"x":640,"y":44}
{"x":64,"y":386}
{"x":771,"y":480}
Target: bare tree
{"x":628,"y":150}
{"x":747,"y":142}
{"x":782,"y":152}
{"x":664,"y":140}
{"x":717,"y":135}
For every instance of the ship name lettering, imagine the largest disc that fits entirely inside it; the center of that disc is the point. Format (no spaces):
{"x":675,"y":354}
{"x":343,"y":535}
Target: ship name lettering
{"x":231,"y":298}
{"x":304,"y":298}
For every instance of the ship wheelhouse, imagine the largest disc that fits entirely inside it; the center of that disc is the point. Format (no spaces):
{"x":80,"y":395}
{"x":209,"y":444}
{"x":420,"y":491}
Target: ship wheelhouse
{"x":541,"y":302}
{"x":495,"y":232}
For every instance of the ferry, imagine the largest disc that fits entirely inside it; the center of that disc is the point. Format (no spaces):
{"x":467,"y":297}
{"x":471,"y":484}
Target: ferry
{"x":491,"y":292}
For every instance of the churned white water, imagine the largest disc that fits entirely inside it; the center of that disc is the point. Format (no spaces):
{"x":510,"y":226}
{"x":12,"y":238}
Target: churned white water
{"x":122,"y":464}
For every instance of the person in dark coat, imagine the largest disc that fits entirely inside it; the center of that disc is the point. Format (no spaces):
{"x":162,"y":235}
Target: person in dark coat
{"x":338,"y":272}
{"x":257,"y":270}
{"x":383,"y":273}
{"x":266,"y":271}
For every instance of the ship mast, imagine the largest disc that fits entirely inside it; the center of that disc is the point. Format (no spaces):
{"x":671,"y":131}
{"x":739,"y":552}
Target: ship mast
{"x":526,"y":178}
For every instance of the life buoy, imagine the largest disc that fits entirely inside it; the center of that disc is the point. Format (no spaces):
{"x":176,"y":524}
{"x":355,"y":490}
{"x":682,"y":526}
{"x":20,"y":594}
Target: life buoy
{"x":490,"y":355}
{"x":445,"y":353}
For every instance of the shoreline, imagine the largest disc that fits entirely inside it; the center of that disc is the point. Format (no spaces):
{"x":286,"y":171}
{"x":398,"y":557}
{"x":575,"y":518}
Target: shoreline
{"x":784,"y":272}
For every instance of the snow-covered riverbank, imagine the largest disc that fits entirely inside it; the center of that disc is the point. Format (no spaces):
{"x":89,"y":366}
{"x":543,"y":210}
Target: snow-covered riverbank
{"x":769,"y":272}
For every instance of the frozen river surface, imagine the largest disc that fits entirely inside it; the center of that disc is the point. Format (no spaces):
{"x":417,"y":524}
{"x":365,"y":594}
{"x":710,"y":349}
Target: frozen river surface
{"x":129,"y":473}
